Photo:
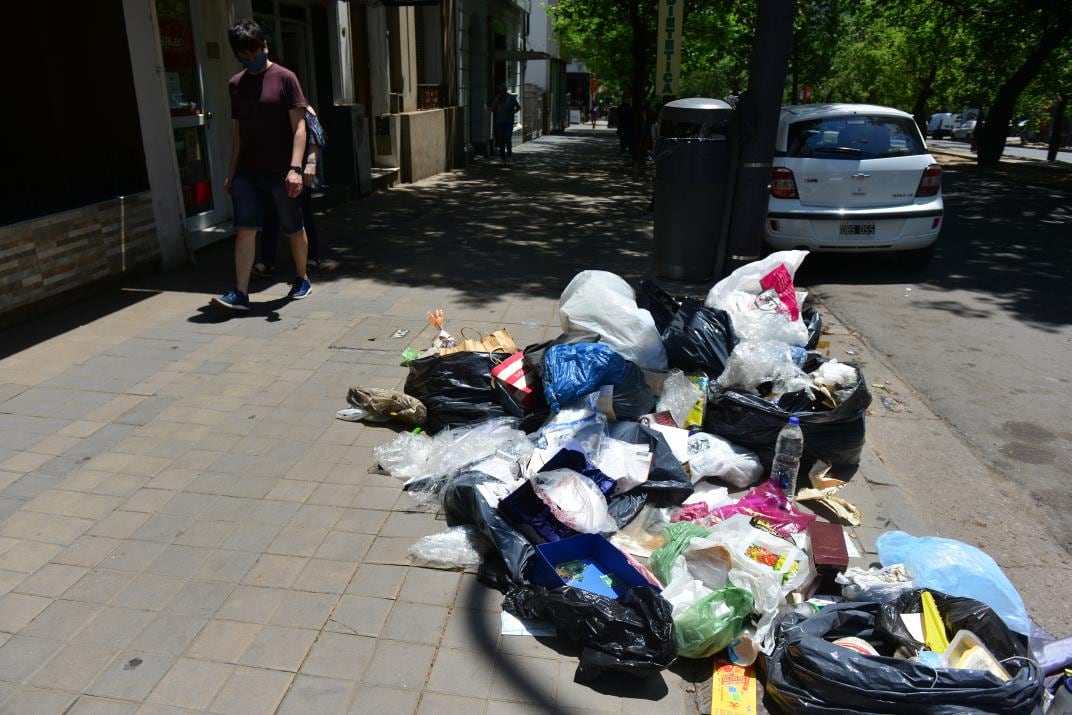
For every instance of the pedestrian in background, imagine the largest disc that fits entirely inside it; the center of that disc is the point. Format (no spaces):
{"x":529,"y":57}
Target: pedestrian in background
{"x":315,"y":141}
{"x":265,"y":173}
{"x":503,"y":109}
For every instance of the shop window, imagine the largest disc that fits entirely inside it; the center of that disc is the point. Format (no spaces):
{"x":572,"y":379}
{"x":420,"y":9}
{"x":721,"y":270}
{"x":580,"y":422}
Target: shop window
{"x":77,"y":138}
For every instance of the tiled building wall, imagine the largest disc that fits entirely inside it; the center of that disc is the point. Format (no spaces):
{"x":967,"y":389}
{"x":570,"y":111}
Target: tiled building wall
{"x":44,"y":257}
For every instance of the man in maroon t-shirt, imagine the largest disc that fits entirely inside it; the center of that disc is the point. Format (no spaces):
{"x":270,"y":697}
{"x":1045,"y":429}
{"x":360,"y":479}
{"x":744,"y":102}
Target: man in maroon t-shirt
{"x":267,"y":157}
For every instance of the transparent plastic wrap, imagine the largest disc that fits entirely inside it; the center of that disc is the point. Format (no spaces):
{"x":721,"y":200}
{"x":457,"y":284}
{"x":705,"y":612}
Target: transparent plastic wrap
{"x":604,"y":303}
{"x":756,"y":362}
{"x":578,"y":422}
{"x":711,"y":456}
{"x":426,"y":462}
{"x":454,"y":548}
{"x":679,"y":396}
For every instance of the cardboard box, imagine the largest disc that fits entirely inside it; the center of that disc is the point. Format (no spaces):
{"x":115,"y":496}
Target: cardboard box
{"x":828,"y":553}
{"x":733,"y":689}
{"x":588,"y":562}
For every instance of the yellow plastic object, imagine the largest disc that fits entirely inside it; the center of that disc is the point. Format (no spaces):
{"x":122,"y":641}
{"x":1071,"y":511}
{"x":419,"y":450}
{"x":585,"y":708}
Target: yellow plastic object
{"x":934,"y":634}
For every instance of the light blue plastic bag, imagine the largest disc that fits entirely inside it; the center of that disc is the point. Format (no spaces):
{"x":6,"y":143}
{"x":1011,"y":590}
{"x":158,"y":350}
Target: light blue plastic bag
{"x":956,"y":569}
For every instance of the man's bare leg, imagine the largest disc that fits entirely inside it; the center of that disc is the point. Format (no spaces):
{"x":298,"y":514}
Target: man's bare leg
{"x":245,"y":251}
{"x":299,"y":249}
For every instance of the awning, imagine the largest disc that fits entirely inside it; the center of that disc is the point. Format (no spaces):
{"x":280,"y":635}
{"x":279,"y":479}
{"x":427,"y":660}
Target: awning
{"x":520,"y":55}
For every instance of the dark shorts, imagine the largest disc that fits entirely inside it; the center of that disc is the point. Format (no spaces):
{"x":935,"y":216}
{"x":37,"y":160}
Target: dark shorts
{"x":253,"y":195}
{"x":504,"y":132}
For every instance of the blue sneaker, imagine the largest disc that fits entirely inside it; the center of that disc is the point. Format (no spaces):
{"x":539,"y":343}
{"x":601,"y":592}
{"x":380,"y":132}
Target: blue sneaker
{"x":300,"y":288}
{"x":232,"y":300}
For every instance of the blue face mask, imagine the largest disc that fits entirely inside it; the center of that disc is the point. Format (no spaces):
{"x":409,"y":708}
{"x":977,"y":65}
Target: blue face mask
{"x":256,"y":64}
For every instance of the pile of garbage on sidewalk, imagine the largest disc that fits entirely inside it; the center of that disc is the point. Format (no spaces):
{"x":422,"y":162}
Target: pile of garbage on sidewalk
{"x":639,"y":481}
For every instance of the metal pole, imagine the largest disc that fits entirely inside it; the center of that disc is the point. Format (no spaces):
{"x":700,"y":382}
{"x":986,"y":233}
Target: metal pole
{"x":757,"y":124}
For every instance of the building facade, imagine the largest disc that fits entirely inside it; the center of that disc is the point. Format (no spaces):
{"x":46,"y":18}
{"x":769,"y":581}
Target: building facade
{"x":130,"y":138}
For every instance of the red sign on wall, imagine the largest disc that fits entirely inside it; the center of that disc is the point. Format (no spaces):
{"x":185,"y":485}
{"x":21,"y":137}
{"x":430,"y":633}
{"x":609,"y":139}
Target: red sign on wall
{"x":177,"y":43}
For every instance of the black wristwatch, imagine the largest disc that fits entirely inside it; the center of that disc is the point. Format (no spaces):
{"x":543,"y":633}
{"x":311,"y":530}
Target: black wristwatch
{"x":297,"y":169}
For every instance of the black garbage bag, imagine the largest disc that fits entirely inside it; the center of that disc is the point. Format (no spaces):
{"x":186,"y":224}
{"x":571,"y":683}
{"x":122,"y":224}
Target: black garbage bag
{"x":834,"y":436}
{"x":658,"y":302}
{"x":633,"y":634}
{"x":668,"y":484}
{"x":463,"y":504}
{"x":958,"y":614}
{"x":814,"y":322}
{"x":456,"y":389}
{"x":633,"y":397}
{"x":699,"y":338}
{"x":806,"y":673}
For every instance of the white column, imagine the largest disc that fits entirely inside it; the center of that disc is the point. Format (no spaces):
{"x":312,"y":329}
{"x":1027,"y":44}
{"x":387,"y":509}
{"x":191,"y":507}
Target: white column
{"x":379,"y":60}
{"x":146,"y":60}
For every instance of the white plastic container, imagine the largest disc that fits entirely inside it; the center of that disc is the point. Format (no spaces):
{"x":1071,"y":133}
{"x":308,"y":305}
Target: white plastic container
{"x":967,"y":652}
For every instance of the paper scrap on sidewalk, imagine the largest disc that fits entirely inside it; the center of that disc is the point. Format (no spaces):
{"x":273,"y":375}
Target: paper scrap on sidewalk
{"x":514,"y":626}
{"x":850,"y":546}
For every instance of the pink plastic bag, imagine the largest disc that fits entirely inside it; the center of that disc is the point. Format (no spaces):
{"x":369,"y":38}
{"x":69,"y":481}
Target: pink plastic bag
{"x":768,"y":502}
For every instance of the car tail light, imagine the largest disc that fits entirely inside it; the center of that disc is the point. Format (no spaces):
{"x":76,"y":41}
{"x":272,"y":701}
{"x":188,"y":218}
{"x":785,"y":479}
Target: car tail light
{"x":783,"y":185}
{"x":931,"y":181}
{"x":773,"y":224}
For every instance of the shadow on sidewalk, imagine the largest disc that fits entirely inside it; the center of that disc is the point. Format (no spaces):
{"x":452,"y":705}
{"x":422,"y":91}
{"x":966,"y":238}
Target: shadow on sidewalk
{"x":567,"y":203}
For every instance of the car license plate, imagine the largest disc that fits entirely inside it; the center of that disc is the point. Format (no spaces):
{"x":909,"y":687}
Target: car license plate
{"x":857,"y":229}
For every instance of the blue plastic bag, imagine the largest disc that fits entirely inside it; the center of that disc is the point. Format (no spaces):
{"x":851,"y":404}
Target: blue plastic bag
{"x":573,"y":371}
{"x":955,"y":569}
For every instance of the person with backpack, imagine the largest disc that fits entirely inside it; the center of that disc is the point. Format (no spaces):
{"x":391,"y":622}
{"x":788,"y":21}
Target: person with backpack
{"x":315,"y":141}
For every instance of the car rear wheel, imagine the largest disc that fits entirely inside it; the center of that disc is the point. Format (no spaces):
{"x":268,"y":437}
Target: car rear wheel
{"x":918,"y":259}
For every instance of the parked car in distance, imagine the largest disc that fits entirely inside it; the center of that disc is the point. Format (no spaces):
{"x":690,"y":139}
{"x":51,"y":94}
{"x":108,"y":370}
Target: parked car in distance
{"x":940,"y":125}
{"x":853,"y":178}
{"x":962,"y":130}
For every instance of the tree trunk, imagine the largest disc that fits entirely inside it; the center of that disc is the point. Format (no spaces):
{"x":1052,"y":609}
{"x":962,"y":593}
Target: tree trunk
{"x":1055,"y":133}
{"x":995,"y":130}
{"x":919,"y":109}
{"x":640,"y":71}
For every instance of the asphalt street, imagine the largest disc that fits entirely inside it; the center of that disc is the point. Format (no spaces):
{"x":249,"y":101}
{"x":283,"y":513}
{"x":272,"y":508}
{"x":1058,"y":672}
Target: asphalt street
{"x":984,"y":335}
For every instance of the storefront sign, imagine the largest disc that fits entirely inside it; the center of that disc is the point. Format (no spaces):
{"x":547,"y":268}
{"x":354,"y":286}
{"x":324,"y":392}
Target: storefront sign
{"x":668,"y":62}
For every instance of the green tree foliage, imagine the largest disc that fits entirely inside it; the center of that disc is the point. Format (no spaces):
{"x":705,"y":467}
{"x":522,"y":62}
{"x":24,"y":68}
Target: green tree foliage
{"x":1006,"y":57}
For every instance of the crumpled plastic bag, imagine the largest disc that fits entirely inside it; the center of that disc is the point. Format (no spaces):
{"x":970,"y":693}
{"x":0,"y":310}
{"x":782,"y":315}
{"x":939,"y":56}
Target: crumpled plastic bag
{"x":768,"y":502}
{"x":873,"y":584}
{"x":604,"y":303}
{"x":679,"y":397}
{"x":425,"y":461}
{"x":956,"y":569}
{"x":575,"y":501}
{"x":388,"y":404}
{"x":573,"y":371}
{"x":454,"y":548}
{"x":711,"y":456}
{"x":711,"y":622}
{"x":757,"y":362}
{"x":763,"y":564}
{"x":761,"y":300}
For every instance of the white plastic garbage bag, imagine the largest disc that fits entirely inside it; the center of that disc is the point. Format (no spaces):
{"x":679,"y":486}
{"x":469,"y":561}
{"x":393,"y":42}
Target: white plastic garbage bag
{"x":575,"y":501}
{"x":711,"y":456}
{"x":603,"y":303}
{"x":762,"y":300}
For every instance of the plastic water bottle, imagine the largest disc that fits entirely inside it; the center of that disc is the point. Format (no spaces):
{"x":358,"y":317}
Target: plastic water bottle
{"x":787,"y":453}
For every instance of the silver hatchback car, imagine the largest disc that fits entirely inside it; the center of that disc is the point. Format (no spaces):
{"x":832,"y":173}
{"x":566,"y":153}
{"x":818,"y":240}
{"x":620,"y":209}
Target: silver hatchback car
{"x":852,"y":178}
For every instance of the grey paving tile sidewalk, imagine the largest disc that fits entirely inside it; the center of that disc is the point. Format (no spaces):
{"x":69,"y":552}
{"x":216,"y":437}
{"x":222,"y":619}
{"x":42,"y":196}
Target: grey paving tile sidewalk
{"x":184,"y":526}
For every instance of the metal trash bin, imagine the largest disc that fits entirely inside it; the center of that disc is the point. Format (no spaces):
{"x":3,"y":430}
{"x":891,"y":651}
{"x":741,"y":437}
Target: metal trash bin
{"x":692,"y":171}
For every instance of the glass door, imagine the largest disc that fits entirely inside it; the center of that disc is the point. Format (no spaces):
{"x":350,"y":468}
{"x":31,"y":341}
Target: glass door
{"x":189,"y":120}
